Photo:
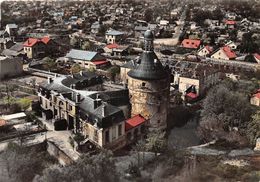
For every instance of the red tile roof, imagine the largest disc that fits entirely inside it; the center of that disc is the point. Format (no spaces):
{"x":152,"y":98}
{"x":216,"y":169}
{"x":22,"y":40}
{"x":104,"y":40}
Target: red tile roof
{"x":100,"y":62}
{"x":2,"y":122}
{"x":229,"y":53}
{"x":191,"y":43}
{"x":112,"y":46}
{"x":230,"y":22}
{"x":134,"y":122}
{"x":30,"y":42}
{"x":45,"y":40}
{"x":210,"y":49}
{"x":257,"y":56}
{"x":192,"y":95}
{"x":257,"y":95}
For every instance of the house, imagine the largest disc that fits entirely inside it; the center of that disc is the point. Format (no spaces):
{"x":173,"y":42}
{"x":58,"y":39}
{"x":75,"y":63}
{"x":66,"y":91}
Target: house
{"x":135,"y":127}
{"x":116,"y":50}
{"x":257,"y":57}
{"x":114,"y":36}
{"x":34,"y":48}
{"x":205,"y":51}
{"x":97,"y":116}
{"x":194,"y":78}
{"x":224,"y":53}
{"x":230,"y":24}
{"x":231,"y":45}
{"x":191,"y":43}
{"x":255,"y":98}
{"x":95,"y":27}
{"x":11,"y":29}
{"x":6,"y":43}
{"x":87,"y":59}
{"x":14,"y":51}
{"x":10,"y":67}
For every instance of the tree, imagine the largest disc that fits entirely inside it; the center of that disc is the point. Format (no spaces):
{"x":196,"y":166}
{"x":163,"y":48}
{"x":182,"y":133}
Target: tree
{"x":86,"y":45}
{"x":24,"y":103}
{"x":148,"y":15}
{"x":113,"y":71}
{"x":253,"y":128}
{"x":50,"y":64}
{"x":75,"y":68}
{"x":223,"y":110}
{"x":99,"y":167}
{"x":74,"y":42}
{"x":248,"y":44}
{"x":156,"y":142}
{"x":20,"y":163}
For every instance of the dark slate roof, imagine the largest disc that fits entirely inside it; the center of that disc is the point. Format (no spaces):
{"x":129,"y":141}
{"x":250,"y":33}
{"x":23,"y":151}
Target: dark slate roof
{"x":150,"y":68}
{"x":112,"y":113}
{"x":17,"y":47}
{"x":90,"y":79}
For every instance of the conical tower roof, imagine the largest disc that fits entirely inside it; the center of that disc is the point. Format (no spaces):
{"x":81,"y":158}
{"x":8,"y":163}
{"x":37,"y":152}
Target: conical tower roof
{"x":150,"y":68}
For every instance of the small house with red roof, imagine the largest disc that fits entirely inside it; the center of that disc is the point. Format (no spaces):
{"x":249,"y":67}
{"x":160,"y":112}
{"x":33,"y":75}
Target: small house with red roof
{"x":205,"y":51}
{"x":255,"y":98}
{"x":224,"y":53}
{"x":191,"y":43}
{"x":257,"y":57}
{"x":135,"y":128}
{"x":35,"y":48}
{"x":230,"y":24}
{"x":116,"y":50}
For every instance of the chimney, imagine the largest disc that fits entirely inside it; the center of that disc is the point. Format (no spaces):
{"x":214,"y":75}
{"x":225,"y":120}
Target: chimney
{"x":72,"y":86}
{"x":103,"y":110}
{"x":97,"y":102}
{"x":50,"y":80}
{"x":77,"y":98}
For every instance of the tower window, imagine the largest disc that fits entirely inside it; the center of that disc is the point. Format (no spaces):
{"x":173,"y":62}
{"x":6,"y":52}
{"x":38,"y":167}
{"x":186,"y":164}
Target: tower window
{"x":143,"y":84}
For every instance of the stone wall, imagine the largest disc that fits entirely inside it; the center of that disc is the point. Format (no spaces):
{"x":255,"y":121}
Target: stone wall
{"x":151,"y":100}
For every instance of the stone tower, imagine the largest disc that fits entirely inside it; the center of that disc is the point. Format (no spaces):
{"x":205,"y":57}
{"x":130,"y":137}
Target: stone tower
{"x":149,"y":86}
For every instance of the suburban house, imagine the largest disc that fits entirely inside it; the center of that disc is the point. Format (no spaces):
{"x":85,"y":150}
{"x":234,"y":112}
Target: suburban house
{"x":34,"y":48}
{"x":195,"y":81}
{"x":114,"y":36}
{"x":205,"y":51}
{"x":230,"y":24}
{"x":10,"y":67}
{"x":191,"y":43}
{"x":255,"y":98}
{"x":224,"y":53}
{"x":116,"y":50}
{"x":87,"y":59}
{"x":97,"y":116}
{"x":231,"y":45}
{"x":95,"y":27}
{"x":6,"y":43}
{"x":14,"y":51}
